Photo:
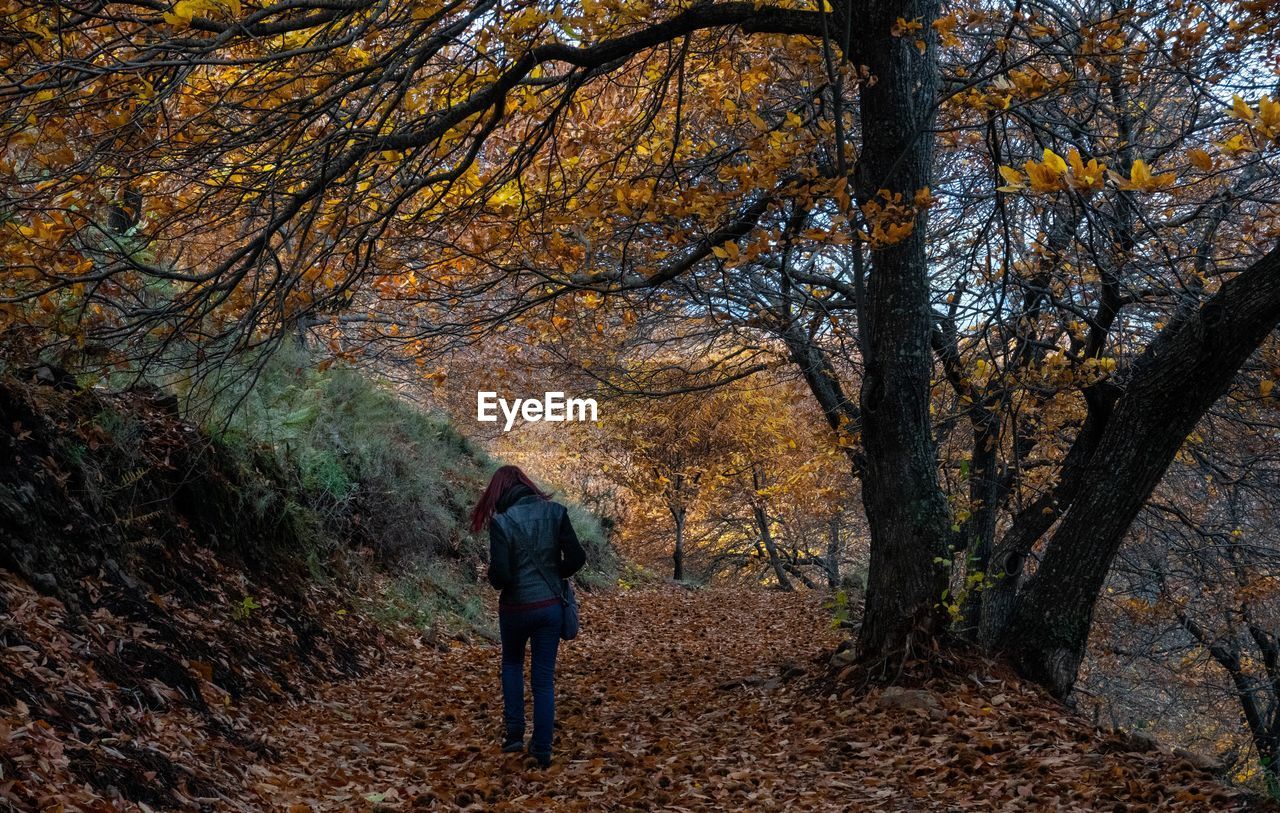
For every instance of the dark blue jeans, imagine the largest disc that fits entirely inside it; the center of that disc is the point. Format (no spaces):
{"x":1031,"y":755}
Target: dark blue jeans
{"x":541,"y":629}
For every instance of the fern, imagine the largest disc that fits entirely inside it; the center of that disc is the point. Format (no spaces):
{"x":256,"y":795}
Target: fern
{"x":131,"y":478}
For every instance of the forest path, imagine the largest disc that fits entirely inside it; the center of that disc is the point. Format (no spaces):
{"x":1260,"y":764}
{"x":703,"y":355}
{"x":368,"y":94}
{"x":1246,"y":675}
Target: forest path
{"x":648,"y":720}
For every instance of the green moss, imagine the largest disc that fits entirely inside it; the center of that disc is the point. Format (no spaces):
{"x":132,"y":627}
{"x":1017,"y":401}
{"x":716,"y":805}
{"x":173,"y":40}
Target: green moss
{"x":434,"y":598}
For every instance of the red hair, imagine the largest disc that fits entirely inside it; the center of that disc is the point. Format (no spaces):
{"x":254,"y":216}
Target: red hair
{"x":503,"y":480}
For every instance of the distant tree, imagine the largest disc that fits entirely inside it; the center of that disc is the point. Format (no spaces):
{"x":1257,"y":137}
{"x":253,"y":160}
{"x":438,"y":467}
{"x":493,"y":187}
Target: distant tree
{"x":667,"y":453}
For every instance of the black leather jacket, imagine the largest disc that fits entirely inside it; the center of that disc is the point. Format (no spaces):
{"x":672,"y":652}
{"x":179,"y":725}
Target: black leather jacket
{"x":528,"y":526}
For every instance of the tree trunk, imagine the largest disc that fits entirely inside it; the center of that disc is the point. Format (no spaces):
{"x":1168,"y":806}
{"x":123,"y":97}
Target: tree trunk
{"x":1171,"y":385}
{"x":978,"y":532}
{"x":1259,"y":719}
{"x":907,"y":513}
{"x":1268,"y":754}
{"x":1033,"y":521}
{"x":840,"y":411}
{"x":833,"y":554}
{"x":766,"y":536}
{"x":677,"y":555}
{"x":771,"y":549}
{"x":1267,"y":741}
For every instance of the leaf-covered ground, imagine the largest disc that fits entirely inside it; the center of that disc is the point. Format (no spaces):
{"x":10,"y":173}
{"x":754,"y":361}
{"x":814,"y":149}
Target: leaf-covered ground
{"x":708,"y":700}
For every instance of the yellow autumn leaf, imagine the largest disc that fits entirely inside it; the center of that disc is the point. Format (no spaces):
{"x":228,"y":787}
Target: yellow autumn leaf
{"x":1240,"y":109}
{"x":184,"y":11}
{"x":1054,"y":161}
{"x":526,"y":19}
{"x":1013,"y":180}
{"x":946,"y":28}
{"x":902,"y":26}
{"x":422,"y":11}
{"x":1141,"y":180}
{"x":1266,"y":386}
{"x":181,"y":14}
{"x":1046,"y":175}
{"x":884,"y":235}
{"x":1084,"y":176}
{"x":1200,"y":159}
{"x":1234,"y":146}
{"x":1268,"y":117}
{"x":508,"y":194}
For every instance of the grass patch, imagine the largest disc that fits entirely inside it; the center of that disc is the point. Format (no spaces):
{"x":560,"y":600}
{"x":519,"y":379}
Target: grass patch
{"x":372,"y":465}
{"x":434,"y":598}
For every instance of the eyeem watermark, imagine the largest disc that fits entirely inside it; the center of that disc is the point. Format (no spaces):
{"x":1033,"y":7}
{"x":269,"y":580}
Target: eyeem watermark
{"x":553,"y":406}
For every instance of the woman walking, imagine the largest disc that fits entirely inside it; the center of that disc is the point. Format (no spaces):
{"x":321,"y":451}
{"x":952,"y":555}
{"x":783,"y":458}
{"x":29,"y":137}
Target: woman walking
{"x":532,"y":548}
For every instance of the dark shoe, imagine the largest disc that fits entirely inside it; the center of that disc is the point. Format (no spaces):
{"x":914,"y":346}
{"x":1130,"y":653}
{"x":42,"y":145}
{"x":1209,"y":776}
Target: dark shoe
{"x":512,"y":745}
{"x":544,"y":760}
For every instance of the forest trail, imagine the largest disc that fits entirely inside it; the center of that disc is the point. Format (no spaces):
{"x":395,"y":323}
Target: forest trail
{"x":699,"y":701}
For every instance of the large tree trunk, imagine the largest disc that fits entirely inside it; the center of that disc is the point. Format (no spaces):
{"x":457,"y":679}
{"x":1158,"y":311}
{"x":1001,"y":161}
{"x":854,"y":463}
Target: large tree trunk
{"x":906,"y":510}
{"x":1169,"y":388}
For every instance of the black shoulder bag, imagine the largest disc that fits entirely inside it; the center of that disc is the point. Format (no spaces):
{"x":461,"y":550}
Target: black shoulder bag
{"x":563,"y":589}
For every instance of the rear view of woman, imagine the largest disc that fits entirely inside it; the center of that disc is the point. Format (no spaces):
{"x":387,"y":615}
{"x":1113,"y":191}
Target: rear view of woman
{"x":532,"y":547}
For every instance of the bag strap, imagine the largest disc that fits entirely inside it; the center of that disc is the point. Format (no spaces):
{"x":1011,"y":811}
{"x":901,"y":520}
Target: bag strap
{"x":554,"y":584}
